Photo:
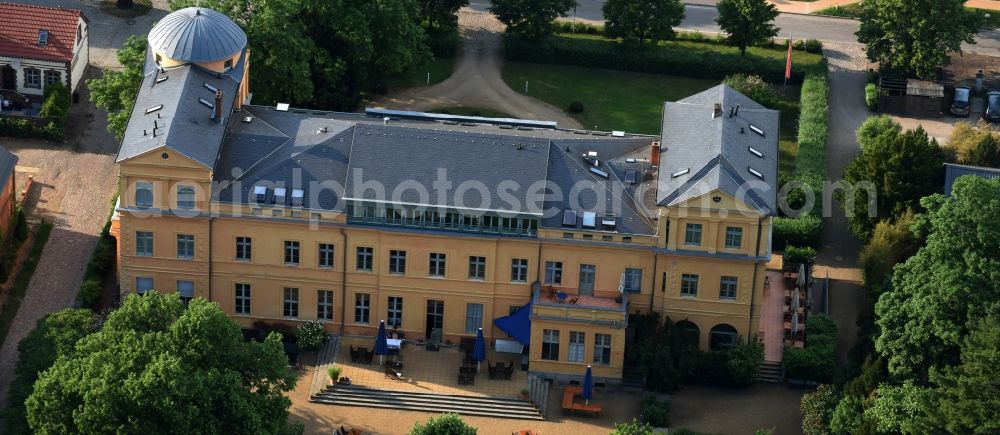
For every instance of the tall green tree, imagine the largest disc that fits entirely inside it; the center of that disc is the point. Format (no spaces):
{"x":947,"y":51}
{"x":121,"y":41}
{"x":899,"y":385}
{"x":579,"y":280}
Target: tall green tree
{"x":915,"y":37}
{"x":901,"y":167}
{"x":156,"y":367}
{"x":747,"y":22}
{"x":441,"y":14}
{"x":55,"y":335}
{"x":817,"y":409}
{"x":444,"y":424}
{"x":530,"y":19}
{"x":967,"y":399}
{"x":638,"y":21}
{"x":115,"y":90}
{"x":952,"y":279}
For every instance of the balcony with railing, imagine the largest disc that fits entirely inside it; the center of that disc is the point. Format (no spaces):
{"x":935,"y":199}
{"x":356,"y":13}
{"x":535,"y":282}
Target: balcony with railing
{"x":441,"y":219}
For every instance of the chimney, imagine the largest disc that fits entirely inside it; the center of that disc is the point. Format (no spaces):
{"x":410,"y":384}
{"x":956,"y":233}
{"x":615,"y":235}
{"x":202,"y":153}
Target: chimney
{"x":218,"y":106}
{"x":654,"y":155}
{"x":736,"y":111}
{"x":717,"y":112}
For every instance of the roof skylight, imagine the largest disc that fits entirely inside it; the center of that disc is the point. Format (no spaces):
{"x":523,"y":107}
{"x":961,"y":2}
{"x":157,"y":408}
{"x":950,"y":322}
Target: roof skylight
{"x":755,"y":152}
{"x":680,"y":172}
{"x":756,"y":173}
{"x":154,"y":108}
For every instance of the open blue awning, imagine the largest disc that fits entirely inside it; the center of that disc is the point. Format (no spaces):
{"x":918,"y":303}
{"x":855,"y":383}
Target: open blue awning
{"x":517,"y":325}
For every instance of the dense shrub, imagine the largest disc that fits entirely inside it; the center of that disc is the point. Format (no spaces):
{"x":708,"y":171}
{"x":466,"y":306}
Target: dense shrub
{"x":816,"y":361}
{"x":974,"y":145}
{"x":809,"y":46}
{"x":310,"y":335}
{"x":743,"y":363}
{"x":891,"y":243}
{"x":53,"y":114}
{"x":634,"y":427}
{"x":562,"y":26}
{"x":711,"y":368}
{"x":102,"y":261}
{"x":90,"y":292}
{"x":20,"y":225}
{"x":55,"y":105}
{"x":806,"y":231}
{"x":682,"y":60}
{"x":797,"y":255}
{"x":444,"y":424}
{"x":655,"y":412}
{"x":871,"y":96}
{"x":576,"y":107}
{"x":754,"y":87}
{"x":817,"y":409}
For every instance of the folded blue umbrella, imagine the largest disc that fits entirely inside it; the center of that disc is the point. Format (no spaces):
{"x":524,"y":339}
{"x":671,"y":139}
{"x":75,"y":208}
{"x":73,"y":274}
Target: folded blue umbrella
{"x":479,"y":349}
{"x":381,"y":341}
{"x":588,"y":386}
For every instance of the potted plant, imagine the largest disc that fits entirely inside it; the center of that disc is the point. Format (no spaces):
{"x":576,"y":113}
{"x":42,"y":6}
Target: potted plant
{"x":524,"y":393}
{"x":334,"y":373}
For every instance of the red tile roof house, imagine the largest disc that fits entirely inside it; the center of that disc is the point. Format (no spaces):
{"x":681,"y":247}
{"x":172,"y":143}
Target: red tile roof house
{"x":40,"y":45}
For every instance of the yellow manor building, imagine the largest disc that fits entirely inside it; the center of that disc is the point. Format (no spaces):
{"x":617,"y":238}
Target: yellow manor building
{"x":441,"y":224}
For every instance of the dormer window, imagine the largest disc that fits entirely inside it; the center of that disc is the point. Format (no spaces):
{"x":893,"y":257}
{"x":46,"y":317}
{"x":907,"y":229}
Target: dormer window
{"x":43,"y":37}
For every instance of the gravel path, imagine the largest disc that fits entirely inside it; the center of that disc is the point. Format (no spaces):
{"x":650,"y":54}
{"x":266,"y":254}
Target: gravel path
{"x":839,"y":256}
{"x":74,"y":184}
{"x":476,"y":81}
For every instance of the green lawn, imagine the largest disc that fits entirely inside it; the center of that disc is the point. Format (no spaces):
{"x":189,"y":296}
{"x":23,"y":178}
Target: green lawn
{"x":440,"y":69}
{"x":633,"y":102}
{"x":612,"y":100}
{"x":470,"y":111}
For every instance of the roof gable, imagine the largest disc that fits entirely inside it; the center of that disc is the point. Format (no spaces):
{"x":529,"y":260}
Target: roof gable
{"x":20,"y":26}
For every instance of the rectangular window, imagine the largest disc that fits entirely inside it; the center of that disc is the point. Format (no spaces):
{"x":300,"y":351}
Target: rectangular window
{"x":325,"y":255}
{"x":437,"y":264}
{"x":185,"y":197}
{"x":291,"y":252}
{"x":734,"y":237}
{"x":602,"y":349}
{"x":52,"y":76}
{"x":576,"y":340}
{"x":692,"y":236}
{"x":395,"y":312}
{"x":473,"y":318}
{"x":143,"y":194}
{"x":727,"y":287}
{"x":689,"y":285}
{"x":244,"y":246}
{"x":186,"y":291}
{"x":242,"y":292}
{"x":477,"y":267}
{"x":143,"y":284}
{"x":519,"y":270}
{"x":633,"y":280}
{"x":185,"y":246}
{"x":144,"y":243}
{"x":32,"y":78}
{"x":291,"y":308}
{"x":366,"y":255}
{"x":550,"y":344}
{"x":397,"y":262}
{"x":553,"y":272}
{"x":324,"y":305}
{"x":362,"y":307}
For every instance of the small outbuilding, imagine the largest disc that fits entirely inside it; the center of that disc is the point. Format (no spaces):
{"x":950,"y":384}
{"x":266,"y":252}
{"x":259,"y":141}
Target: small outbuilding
{"x":902,"y":96}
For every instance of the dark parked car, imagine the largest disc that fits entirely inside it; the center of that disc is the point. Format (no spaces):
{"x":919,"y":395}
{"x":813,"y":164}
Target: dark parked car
{"x":960,"y":107}
{"x":992,"y":112}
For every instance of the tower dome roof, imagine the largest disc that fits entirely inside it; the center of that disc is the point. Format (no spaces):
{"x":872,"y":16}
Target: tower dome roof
{"x":197,"y":35}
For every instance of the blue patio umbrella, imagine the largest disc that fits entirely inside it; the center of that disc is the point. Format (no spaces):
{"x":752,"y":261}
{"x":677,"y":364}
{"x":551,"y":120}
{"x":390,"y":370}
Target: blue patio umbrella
{"x":479,"y":349}
{"x":381,"y":345}
{"x":588,"y":386}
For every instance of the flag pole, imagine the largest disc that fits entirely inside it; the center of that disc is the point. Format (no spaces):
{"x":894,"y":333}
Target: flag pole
{"x":788,"y":65}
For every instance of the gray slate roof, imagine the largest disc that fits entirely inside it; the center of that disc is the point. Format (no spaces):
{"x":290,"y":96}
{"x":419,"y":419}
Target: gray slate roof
{"x":197,"y":35}
{"x":953,"y":171}
{"x":708,"y":153}
{"x":289,"y":149}
{"x":183,"y":123}
{"x":7,"y":163}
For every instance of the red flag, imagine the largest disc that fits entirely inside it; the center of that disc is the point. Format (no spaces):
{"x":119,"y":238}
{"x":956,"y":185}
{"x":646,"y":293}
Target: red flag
{"x":788,"y":63}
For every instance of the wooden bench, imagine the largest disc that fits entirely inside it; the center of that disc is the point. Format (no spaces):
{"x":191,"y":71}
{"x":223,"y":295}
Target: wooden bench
{"x":569,"y":403}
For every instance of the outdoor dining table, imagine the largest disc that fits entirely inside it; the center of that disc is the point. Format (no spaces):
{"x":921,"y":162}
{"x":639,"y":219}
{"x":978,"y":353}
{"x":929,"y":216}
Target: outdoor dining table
{"x":394,"y":343}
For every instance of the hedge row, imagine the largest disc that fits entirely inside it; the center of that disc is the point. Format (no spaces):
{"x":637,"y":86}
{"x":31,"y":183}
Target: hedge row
{"x":805,"y":231}
{"x":816,"y":361}
{"x":55,"y":110}
{"x":682,"y":60}
{"x":570,"y":27}
{"x":101,"y":264}
{"x":810,"y":165}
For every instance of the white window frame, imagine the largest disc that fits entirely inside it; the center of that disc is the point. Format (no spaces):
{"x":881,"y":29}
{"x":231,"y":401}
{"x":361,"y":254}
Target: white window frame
{"x":324,"y":305}
{"x":397,"y":262}
{"x":686,"y":280}
{"x":553,"y":272}
{"x":241,"y":296}
{"x":290,"y":303}
{"x":602,"y":343}
{"x":438,"y":264}
{"x":550,"y":343}
{"x":33,"y":78}
{"x":473,"y":317}
{"x":325,"y":254}
{"x":477,"y":268}
{"x":292,"y":252}
{"x":185,"y":246}
{"x":394,"y":312}
{"x":185,"y":197}
{"x":577,"y":344}
{"x":519,"y":270}
{"x":728,"y":286}
{"x":244,"y":248}
{"x":362,"y":308}
{"x":734,"y":234}
{"x":365,"y":258}
{"x":633,"y":280}
{"x":692,"y":234}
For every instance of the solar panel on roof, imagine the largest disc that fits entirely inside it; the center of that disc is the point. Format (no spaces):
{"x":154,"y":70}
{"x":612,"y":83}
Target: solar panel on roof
{"x":589,"y":219}
{"x":569,"y":218}
{"x":630,"y":176}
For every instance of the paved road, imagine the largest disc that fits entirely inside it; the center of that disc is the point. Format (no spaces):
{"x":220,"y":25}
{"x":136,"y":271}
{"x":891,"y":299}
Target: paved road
{"x":701,"y":14}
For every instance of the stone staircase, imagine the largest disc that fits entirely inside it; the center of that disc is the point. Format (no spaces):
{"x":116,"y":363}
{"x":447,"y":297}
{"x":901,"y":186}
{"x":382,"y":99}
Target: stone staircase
{"x":632,"y":380}
{"x":426,"y":402}
{"x":771,"y":372}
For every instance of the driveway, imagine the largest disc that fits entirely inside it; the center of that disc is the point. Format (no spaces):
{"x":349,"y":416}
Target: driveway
{"x":73,"y":186}
{"x":477,"y":80}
